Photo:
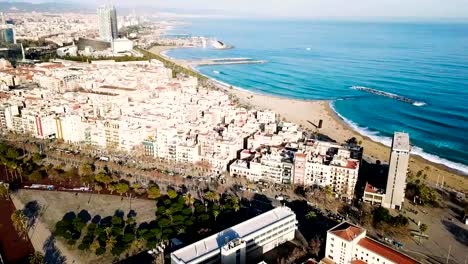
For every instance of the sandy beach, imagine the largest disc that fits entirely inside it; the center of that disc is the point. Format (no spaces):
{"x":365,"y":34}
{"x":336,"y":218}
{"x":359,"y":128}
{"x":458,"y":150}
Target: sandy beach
{"x":307,"y":113}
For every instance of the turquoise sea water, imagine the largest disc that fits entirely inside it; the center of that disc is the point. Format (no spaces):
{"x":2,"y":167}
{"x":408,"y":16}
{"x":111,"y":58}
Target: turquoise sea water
{"x":425,"y":62}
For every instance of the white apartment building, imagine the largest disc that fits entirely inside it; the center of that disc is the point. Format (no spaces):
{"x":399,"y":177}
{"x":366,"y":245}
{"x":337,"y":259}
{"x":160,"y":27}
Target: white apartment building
{"x":242,"y":242}
{"x":348,"y":244}
{"x":397,"y":172}
{"x":326,"y":164}
{"x":266,"y":117}
{"x":275,"y":167}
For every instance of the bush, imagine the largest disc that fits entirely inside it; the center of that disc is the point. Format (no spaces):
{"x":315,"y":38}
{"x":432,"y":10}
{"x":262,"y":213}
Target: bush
{"x":382,"y":215}
{"x":100,"y":251}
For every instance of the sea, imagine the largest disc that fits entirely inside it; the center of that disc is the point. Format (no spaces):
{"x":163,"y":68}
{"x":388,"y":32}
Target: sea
{"x":425,"y":62}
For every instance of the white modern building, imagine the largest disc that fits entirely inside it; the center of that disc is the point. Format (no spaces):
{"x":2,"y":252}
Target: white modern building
{"x":348,"y":244}
{"x":121,"y":45}
{"x":107,"y":21}
{"x":397,"y":172}
{"x":241,"y":243}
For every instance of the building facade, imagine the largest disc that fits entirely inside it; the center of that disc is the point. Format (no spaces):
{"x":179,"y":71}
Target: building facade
{"x":348,"y":244}
{"x":107,"y":19}
{"x":397,"y":172}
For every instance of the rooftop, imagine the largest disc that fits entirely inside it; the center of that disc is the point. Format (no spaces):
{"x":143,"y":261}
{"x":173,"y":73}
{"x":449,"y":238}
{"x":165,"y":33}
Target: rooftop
{"x":216,"y":241}
{"x":347,"y":231}
{"x":401,"y":141}
{"x":385,"y":251}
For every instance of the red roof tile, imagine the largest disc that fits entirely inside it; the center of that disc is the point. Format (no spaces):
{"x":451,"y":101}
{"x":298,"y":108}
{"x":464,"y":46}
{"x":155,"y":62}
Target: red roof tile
{"x":358,"y":261}
{"x":349,"y":233}
{"x":385,"y":251}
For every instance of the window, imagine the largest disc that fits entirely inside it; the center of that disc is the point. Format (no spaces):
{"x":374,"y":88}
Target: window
{"x":330,"y":257}
{"x":238,"y":256}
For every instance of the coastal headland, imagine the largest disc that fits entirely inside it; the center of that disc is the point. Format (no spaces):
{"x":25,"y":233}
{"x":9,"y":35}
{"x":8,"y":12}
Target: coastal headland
{"x":308,"y":113}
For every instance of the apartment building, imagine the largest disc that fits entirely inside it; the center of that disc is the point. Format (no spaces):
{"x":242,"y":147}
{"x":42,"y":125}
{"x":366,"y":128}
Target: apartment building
{"x":348,"y":244}
{"x":397,"y":172}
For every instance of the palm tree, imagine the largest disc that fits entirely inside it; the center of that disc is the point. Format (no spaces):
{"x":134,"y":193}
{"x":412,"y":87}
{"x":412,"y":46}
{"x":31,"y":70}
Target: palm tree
{"x":137,"y":245}
{"x":212,"y":196}
{"x":4,"y":162}
{"x":215,"y":214}
{"x":110,"y":242}
{"x":180,"y":231}
{"x":189,"y":200}
{"x":20,"y":222}
{"x":108,"y":230}
{"x":236,"y":207}
{"x":4,"y":191}
{"x":36,"y":258}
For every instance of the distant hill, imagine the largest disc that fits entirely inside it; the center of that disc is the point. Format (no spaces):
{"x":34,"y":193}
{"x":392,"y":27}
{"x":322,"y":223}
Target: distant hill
{"x":17,"y":6}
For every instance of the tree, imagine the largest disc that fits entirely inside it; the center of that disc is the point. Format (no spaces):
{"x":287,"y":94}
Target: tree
{"x":111,"y":188}
{"x":189,"y":200}
{"x":153,"y":192}
{"x":98,"y":188}
{"x":212,"y":196}
{"x":423,"y":228}
{"x":20,"y":223}
{"x":215,"y":214}
{"x":36,"y":258}
{"x":4,"y":191}
{"x":102,"y":177}
{"x":36,"y":176}
{"x":172,"y":194}
{"x":85,"y":169}
{"x":121,"y":188}
{"x":311,"y":216}
{"x":314,"y":246}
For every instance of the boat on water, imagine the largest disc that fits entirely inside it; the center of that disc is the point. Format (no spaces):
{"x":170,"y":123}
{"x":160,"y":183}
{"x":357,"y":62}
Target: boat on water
{"x":389,"y":95}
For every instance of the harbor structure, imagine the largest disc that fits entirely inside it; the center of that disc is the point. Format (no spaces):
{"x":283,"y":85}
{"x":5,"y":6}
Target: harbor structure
{"x":242,"y":243}
{"x":348,"y":244}
{"x":397,"y":172}
{"x":107,"y":20}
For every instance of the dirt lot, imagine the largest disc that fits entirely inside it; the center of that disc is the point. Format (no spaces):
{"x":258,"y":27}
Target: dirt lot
{"x":56,"y":204}
{"x":12,"y":247}
{"x":446,"y":232}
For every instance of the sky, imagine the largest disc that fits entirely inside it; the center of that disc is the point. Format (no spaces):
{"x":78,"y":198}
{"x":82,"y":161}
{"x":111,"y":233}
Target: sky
{"x":318,"y":8}
{"x":307,"y":8}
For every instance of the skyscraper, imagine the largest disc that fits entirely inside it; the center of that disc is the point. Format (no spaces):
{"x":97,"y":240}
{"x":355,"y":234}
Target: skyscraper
{"x":398,"y":168}
{"x":107,"y":17}
{"x":7,"y":35}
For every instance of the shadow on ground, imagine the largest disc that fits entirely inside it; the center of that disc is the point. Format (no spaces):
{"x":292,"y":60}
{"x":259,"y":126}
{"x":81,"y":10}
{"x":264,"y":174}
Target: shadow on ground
{"x":52,"y":254}
{"x":459,"y":233}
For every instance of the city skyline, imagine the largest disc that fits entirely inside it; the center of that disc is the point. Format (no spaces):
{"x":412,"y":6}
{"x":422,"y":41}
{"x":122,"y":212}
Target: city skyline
{"x":363,"y":9}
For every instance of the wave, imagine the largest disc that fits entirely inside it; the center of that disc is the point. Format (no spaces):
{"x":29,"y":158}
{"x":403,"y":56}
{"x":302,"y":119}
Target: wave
{"x":415,"y":150}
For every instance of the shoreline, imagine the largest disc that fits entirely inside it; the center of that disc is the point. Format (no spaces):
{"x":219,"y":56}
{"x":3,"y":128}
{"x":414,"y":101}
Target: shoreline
{"x":334,"y":126}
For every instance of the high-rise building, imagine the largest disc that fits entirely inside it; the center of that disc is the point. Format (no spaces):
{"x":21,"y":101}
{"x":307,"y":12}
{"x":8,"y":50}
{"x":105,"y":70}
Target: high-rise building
{"x":7,"y":35}
{"x":107,"y":17}
{"x":397,"y":171}
{"x":2,"y":19}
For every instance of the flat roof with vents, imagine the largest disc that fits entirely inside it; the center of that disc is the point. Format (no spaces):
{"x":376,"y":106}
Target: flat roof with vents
{"x":216,"y":241}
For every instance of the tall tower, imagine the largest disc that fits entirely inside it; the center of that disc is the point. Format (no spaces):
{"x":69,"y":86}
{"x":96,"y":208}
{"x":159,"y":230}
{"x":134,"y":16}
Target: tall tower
{"x":107,"y":17}
{"x":397,"y":171}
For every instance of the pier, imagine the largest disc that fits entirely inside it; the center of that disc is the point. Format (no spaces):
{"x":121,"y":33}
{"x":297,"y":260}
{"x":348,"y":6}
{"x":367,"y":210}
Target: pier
{"x":220,"y":61}
{"x":389,"y":95}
